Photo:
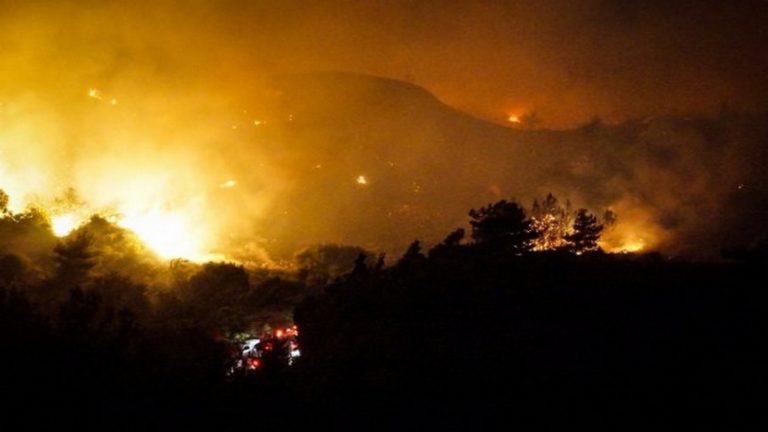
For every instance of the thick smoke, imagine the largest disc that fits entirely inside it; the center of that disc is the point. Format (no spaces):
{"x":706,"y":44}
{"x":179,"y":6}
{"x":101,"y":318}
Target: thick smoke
{"x":170,"y":108}
{"x":687,"y":186}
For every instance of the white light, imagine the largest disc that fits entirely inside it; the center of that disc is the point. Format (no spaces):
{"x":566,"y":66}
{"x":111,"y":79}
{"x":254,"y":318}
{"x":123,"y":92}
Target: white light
{"x":165,"y":233}
{"x":62,"y":225}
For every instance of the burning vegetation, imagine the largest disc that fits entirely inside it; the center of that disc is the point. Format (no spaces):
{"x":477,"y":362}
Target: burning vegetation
{"x":190,"y":183}
{"x":350,"y":159}
{"x":530,"y":289}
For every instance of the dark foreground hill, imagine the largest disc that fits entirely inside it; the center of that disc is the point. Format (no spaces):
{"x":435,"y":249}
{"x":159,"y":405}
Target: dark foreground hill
{"x":462,"y":338}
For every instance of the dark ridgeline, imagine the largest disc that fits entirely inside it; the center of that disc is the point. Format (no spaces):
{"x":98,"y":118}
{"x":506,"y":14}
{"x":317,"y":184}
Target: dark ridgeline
{"x":473,"y":333}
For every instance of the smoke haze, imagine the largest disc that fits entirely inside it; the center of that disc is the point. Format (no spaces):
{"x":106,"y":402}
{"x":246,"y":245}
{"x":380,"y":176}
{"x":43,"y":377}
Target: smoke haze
{"x":210,"y":120}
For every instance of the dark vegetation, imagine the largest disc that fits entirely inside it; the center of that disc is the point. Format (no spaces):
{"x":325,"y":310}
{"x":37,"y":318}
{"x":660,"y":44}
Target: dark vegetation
{"x":485,"y":331}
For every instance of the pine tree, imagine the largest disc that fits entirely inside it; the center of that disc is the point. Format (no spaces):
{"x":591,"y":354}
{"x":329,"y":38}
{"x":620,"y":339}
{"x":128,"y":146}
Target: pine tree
{"x":74,"y":259}
{"x":586,"y":232}
{"x":502,"y":225}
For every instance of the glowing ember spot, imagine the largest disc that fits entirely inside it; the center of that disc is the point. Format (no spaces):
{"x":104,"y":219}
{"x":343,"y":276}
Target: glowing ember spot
{"x":257,"y":122}
{"x":513,"y":119}
{"x":168,"y":234}
{"x":630,"y":244}
{"x":94,"y":93}
{"x":633,"y":246}
{"x":228,"y":184}
{"x":361,"y":180}
{"x":113,"y":102}
{"x":63,"y":224}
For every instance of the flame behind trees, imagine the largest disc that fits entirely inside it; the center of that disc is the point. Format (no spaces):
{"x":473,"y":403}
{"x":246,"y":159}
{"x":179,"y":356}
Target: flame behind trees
{"x":551,"y":227}
{"x":553,"y":222}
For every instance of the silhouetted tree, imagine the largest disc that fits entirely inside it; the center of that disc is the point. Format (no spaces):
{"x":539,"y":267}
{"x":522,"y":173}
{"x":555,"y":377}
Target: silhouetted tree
{"x":327,"y":261}
{"x":502,"y":224}
{"x":28,"y":234}
{"x":74,"y":259}
{"x":450,"y":243}
{"x":586,"y":232}
{"x":361,"y":267}
{"x":454,"y":238}
{"x":218,"y":297}
{"x":4,"y":199}
{"x":380,"y":262}
{"x":117,"y":250}
{"x":412,"y":255}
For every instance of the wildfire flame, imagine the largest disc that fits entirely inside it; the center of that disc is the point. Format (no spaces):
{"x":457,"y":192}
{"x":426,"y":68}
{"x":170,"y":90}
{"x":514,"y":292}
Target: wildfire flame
{"x":632,"y":246}
{"x":630,"y":243}
{"x":63,"y":224}
{"x":165,"y":233}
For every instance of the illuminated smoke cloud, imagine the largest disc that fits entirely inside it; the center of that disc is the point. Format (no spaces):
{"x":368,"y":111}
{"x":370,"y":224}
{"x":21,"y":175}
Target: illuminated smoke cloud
{"x":168,"y":118}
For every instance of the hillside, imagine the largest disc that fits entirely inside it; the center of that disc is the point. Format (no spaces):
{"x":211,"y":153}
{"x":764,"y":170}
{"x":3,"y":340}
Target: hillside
{"x":426,"y":164}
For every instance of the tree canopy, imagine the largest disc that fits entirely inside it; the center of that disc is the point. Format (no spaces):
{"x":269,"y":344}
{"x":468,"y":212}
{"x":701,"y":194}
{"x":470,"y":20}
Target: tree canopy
{"x":502,"y":224}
